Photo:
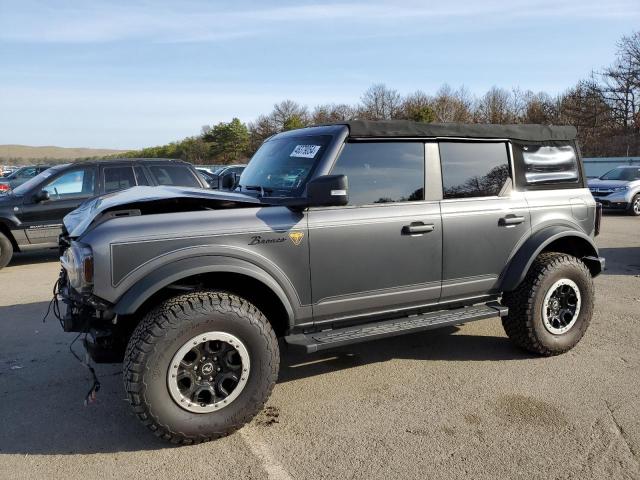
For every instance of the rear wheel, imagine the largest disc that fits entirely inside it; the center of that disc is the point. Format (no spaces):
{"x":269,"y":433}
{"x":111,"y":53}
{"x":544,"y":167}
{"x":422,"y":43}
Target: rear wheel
{"x":551,"y":309}
{"x":200,"y":366}
{"x":634,"y":206}
{"x":6,"y":250}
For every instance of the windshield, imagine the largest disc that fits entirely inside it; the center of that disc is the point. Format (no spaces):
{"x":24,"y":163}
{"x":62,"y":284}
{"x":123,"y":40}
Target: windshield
{"x":281,"y":166}
{"x":33,"y":181}
{"x":629,"y":174}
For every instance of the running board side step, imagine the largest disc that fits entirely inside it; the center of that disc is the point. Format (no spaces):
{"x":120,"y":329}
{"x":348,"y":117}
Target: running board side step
{"x":314,"y":342}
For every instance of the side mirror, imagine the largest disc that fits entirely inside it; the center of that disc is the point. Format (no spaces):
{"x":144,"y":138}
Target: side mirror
{"x":228,"y":181}
{"x":42,"y":196}
{"x":328,"y":191}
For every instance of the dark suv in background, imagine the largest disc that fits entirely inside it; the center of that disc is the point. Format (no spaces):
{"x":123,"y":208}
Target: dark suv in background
{"x":31,"y":214}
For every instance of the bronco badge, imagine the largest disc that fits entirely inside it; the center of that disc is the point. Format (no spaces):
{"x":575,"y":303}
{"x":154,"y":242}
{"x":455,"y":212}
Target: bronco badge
{"x":296,"y":237}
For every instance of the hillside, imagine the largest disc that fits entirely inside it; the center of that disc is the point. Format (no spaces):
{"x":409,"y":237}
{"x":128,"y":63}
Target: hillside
{"x":20,"y":152}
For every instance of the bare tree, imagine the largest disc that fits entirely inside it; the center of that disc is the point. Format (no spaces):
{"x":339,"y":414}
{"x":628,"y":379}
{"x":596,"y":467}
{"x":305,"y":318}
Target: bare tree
{"x":380,"y":103}
{"x":495,"y":106}
{"x":452,"y":105}
{"x":331,"y":112}
{"x":287,"y":113}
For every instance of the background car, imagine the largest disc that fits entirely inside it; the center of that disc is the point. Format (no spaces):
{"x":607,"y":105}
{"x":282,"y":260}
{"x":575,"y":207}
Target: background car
{"x":31,"y":214}
{"x":6,"y":170}
{"x":19,"y":176}
{"x":207,"y":176}
{"x":618,"y":189}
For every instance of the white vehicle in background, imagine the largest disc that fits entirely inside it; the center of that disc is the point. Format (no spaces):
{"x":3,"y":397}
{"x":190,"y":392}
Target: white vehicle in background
{"x":618,"y":189}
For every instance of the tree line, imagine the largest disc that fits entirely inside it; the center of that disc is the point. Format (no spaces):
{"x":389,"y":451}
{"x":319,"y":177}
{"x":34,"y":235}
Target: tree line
{"x":605,"y":108}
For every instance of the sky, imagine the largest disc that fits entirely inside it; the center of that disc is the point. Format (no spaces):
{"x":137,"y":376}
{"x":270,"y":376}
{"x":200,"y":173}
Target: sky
{"x":127,"y":74}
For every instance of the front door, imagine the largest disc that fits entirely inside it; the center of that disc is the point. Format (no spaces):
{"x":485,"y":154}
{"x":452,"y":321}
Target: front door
{"x":382,"y":252}
{"x":483,"y":218}
{"x":42,"y":221}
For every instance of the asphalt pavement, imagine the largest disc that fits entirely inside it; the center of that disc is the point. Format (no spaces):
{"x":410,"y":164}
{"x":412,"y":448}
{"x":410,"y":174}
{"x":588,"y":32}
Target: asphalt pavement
{"x":460,"y":402}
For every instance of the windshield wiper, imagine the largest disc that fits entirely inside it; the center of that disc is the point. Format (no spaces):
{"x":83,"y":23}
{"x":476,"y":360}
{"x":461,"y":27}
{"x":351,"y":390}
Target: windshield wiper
{"x":259,"y":188}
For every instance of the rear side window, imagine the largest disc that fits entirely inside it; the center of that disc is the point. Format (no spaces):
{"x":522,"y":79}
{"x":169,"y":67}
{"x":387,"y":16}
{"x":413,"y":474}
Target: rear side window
{"x":382,"y":172}
{"x":473,"y":169}
{"x":544,"y":164}
{"x":174,"y":175}
{"x":118,"y":178}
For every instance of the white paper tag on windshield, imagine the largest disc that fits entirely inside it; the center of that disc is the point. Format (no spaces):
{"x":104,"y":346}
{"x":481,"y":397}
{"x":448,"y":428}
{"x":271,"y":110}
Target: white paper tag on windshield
{"x":305,"y":151}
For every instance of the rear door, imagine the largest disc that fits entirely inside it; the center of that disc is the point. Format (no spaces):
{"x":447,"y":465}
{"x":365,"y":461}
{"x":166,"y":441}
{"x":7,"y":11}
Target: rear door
{"x":117,"y":176}
{"x":174,"y":174}
{"x":484,"y":219}
{"x":382,"y":252}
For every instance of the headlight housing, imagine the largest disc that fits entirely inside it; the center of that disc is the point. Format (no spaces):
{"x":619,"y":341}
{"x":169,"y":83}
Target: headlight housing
{"x":77,"y":260}
{"x":620,"y":189}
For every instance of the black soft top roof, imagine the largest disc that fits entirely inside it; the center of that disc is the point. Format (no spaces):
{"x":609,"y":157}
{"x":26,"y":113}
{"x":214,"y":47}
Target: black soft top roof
{"x":406,"y":128}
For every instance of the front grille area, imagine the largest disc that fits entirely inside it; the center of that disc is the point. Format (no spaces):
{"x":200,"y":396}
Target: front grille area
{"x":601,"y":193}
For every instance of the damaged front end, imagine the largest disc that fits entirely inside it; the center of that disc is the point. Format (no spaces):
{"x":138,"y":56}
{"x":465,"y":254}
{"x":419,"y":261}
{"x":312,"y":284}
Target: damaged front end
{"x":79,"y":310}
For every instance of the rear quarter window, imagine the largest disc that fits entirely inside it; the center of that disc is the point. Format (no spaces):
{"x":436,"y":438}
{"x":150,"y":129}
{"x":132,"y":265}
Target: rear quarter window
{"x":547,"y":165}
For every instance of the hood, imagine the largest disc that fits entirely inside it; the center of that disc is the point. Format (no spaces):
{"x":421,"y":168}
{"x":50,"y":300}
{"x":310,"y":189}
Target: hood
{"x":153,"y":200}
{"x":606,"y":184}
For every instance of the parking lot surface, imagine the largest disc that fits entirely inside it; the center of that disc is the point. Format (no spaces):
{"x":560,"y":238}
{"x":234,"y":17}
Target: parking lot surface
{"x":454,"y":403}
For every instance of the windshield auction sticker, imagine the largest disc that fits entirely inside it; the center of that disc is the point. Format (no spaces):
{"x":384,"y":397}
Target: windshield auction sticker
{"x":305,"y":151}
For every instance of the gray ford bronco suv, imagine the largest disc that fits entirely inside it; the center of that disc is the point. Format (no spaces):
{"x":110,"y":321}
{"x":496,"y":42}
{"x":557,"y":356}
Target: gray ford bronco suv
{"x":334,"y":235}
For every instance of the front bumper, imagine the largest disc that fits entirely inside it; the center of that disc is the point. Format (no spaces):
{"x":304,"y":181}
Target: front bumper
{"x":614,"y":201}
{"x":81,"y":312}
{"x":614,"y":205}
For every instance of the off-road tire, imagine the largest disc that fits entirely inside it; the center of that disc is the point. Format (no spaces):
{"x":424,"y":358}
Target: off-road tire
{"x":524,"y":323}
{"x":157,"y":339}
{"x":634,"y":206}
{"x":6,"y":250}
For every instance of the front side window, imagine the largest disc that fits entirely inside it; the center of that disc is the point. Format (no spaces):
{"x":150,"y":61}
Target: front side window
{"x":77,"y":183}
{"x":382,"y":172}
{"x":281,"y":166}
{"x":118,"y":178}
{"x":473,"y":169}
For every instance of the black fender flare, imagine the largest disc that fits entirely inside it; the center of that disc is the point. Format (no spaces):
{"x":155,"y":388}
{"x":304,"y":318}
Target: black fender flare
{"x":182,"y":268}
{"x":521,"y":261}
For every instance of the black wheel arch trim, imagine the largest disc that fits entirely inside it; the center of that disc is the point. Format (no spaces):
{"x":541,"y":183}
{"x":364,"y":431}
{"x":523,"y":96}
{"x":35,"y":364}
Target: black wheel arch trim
{"x":183,"y":268}
{"x":521,"y":261}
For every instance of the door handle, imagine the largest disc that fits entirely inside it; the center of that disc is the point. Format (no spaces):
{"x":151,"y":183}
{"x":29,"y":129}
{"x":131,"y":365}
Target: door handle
{"x":510,"y":220}
{"x":417,"y":228}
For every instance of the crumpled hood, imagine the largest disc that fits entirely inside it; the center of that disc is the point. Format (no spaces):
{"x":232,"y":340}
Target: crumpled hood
{"x":154,"y":200}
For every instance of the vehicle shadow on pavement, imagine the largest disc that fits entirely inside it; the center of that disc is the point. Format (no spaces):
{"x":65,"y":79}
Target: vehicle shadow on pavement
{"x":42,"y":386}
{"x":438,"y":344}
{"x":621,"y":260}
{"x":42,"y":391}
{"x":35,"y":257}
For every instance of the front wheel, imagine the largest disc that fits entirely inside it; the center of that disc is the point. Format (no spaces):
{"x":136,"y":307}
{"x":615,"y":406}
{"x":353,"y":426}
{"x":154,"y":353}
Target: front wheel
{"x":6,"y":250}
{"x":634,"y":206}
{"x":200,"y":365}
{"x":551,"y":309}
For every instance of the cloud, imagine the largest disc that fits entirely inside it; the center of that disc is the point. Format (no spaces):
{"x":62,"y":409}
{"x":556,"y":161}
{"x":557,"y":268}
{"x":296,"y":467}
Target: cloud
{"x":35,"y":21}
